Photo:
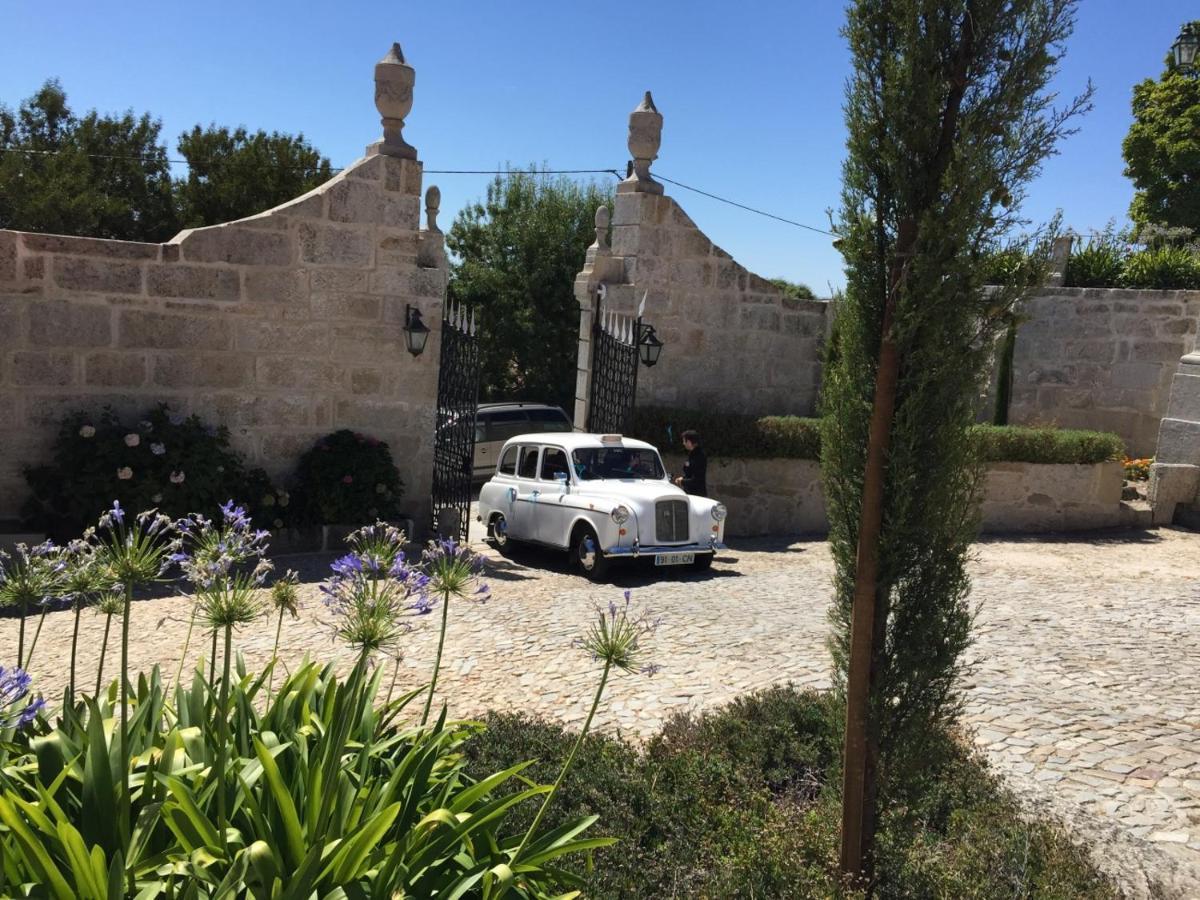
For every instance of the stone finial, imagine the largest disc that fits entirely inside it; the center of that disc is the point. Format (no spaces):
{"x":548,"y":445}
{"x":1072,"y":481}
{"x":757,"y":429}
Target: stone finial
{"x":645,"y":137}
{"x":394,"y":80}
{"x":602,"y":219}
{"x":433,"y":202}
{"x":1060,"y":255}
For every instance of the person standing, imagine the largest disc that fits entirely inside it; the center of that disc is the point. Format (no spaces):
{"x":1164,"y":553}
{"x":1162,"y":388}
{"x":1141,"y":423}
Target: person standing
{"x":694,"y":479}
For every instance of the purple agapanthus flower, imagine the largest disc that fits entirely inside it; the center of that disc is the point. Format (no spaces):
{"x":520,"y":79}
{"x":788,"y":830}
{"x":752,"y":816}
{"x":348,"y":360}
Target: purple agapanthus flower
{"x":14,"y":688}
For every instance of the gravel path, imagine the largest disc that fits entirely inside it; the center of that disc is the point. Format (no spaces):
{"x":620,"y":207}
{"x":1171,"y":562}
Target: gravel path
{"x":1085,"y":689}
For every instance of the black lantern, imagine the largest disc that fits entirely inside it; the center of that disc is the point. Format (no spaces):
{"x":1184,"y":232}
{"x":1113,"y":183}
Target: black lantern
{"x":1185,"y":47}
{"x":416,"y":332}
{"x":650,"y":347}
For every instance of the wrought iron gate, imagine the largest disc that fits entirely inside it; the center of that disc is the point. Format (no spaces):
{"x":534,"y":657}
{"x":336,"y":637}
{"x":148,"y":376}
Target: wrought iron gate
{"x":614,"y":372}
{"x":454,"y":428}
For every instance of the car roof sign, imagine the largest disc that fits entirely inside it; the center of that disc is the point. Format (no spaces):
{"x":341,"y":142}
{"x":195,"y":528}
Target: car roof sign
{"x":610,"y":438}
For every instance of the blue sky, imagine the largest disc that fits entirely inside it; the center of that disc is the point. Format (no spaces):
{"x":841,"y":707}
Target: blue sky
{"x":751,"y":92}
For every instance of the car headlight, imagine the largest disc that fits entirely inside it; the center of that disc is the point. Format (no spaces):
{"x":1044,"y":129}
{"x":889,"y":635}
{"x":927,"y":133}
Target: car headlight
{"x":719,"y":512}
{"x":620,"y":515}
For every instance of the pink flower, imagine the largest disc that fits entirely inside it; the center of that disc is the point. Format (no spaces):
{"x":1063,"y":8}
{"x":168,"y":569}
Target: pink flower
{"x":177,"y":478}
{"x":124,"y":473}
{"x":347,"y":479}
{"x":132,"y":440}
{"x":87,"y":431}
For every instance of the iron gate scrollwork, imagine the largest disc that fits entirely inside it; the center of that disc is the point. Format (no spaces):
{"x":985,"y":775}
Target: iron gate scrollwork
{"x":454,"y":428}
{"x":614,"y":373}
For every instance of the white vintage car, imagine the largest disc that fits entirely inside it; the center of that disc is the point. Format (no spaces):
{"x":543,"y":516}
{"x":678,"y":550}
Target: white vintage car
{"x":603,"y":497}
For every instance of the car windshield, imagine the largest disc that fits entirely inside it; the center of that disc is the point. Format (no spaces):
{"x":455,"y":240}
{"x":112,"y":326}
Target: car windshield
{"x":595,"y":463}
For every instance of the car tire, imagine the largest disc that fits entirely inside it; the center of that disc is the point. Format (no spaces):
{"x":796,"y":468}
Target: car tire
{"x":703,"y":562}
{"x":498,"y":533}
{"x":586,"y":553}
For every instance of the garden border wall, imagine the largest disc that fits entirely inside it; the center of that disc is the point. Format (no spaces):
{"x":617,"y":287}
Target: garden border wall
{"x":784,"y":496}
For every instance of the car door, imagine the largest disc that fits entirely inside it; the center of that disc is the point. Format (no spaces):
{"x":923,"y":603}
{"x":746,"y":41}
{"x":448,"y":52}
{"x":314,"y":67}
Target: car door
{"x":522,"y":524}
{"x":553,"y":507}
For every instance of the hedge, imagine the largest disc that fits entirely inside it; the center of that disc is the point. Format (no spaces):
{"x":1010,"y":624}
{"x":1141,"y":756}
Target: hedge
{"x":735,"y":436}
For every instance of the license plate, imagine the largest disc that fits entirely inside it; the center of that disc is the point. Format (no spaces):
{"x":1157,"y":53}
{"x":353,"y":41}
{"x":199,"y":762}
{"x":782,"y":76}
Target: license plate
{"x":674,"y":559}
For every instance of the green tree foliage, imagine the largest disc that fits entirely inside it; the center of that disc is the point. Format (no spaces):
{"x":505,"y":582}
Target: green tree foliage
{"x":949,"y":117}
{"x":516,"y":256}
{"x":1162,"y":149}
{"x":108,"y":176}
{"x":99,"y":175}
{"x":233,"y":173}
{"x":793,"y":290}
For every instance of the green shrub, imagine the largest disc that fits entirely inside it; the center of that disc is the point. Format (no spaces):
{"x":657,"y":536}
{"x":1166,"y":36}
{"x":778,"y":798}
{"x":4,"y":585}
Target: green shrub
{"x":347,"y":478}
{"x":1096,"y":265}
{"x":730,"y":435}
{"x":1012,"y":265}
{"x":1013,"y":443}
{"x":736,"y":436}
{"x":1162,"y":268}
{"x":793,"y":290}
{"x":743,"y":802}
{"x":175,"y":463}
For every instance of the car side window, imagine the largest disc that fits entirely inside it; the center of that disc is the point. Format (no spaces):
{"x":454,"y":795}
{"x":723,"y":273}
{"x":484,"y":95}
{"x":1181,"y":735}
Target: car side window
{"x":505,"y":424}
{"x":554,"y":463}
{"x":529,"y":462}
{"x":549,"y":420}
{"x":508,"y":462}
{"x":481,"y":427}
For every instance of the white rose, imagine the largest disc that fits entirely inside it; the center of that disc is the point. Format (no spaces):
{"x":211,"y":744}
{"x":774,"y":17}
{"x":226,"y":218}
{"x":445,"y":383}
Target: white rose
{"x":124,"y":473}
{"x":87,"y":431}
{"x":132,"y":440}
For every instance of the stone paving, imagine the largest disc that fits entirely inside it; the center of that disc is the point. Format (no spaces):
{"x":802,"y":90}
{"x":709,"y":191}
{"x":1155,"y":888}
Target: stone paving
{"x":1084,"y":688}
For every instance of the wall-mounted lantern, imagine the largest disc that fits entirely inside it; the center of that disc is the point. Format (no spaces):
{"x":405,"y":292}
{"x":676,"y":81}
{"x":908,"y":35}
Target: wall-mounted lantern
{"x":416,"y":332}
{"x":649,"y":346}
{"x":1185,"y":48}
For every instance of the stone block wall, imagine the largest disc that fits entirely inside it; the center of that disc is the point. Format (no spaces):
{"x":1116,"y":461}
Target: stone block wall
{"x":734,"y":342}
{"x":1102,"y":359}
{"x":283,"y":327}
{"x":784,"y":496}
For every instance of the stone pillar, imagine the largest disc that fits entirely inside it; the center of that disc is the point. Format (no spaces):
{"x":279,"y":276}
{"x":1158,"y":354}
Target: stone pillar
{"x":1175,"y":474}
{"x":597,"y":268}
{"x":394,"y":79}
{"x":1060,"y":255}
{"x":645,"y":137}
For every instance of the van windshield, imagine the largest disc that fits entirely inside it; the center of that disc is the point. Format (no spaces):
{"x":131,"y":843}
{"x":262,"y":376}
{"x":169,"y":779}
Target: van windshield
{"x":596,"y":463}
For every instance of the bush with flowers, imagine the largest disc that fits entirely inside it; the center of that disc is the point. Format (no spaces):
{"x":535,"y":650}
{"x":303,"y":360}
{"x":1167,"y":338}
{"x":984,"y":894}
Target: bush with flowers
{"x":175,"y":463}
{"x":347,"y":478}
{"x":1138,"y":469}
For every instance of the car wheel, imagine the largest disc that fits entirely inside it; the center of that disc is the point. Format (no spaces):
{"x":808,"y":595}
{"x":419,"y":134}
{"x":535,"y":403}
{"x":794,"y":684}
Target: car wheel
{"x":703,"y":561}
{"x":586,"y":551}
{"x":498,"y":532}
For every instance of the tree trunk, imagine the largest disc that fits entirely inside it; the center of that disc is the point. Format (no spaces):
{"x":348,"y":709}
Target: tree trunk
{"x":868,"y":621}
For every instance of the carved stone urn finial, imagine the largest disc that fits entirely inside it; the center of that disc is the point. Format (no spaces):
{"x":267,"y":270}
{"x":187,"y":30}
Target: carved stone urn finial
{"x":394,"y":80}
{"x":602,"y":219}
{"x":645,"y":137}
{"x":433,"y":202}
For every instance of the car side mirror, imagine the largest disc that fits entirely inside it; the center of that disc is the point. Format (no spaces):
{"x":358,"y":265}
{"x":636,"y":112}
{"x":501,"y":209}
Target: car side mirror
{"x":561,"y":478}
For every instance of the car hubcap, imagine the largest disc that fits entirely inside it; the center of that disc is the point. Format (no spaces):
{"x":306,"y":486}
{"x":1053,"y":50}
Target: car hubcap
{"x":587,"y":553}
{"x":500,"y":531}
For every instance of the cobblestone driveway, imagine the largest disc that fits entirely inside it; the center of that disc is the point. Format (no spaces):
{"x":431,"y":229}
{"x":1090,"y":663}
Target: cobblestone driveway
{"x":1085,"y":692}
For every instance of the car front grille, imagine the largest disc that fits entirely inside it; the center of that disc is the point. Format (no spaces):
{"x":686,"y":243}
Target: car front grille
{"x":671,"y":521}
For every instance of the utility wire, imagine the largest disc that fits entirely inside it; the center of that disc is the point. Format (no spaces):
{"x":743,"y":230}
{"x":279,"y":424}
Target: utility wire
{"x":742,"y":205}
{"x":503,"y":172}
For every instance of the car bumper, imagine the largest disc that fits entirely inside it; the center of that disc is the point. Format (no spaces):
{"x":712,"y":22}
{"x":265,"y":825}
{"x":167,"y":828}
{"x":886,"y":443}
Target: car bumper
{"x":651,"y":550}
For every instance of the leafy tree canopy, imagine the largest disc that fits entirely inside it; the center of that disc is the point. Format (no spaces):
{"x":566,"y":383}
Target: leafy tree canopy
{"x":233,"y":173}
{"x":794,"y":289}
{"x":1162,"y":149}
{"x":516,"y":255}
{"x":109,"y":176}
{"x":99,"y":175}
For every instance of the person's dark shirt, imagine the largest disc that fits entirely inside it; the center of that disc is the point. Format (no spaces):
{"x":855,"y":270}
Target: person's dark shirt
{"x":695,"y":472}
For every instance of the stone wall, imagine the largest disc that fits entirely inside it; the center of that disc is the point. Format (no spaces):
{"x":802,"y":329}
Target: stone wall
{"x":784,"y":496}
{"x":1101,"y":359}
{"x":734,"y":341}
{"x":283,"y":327}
